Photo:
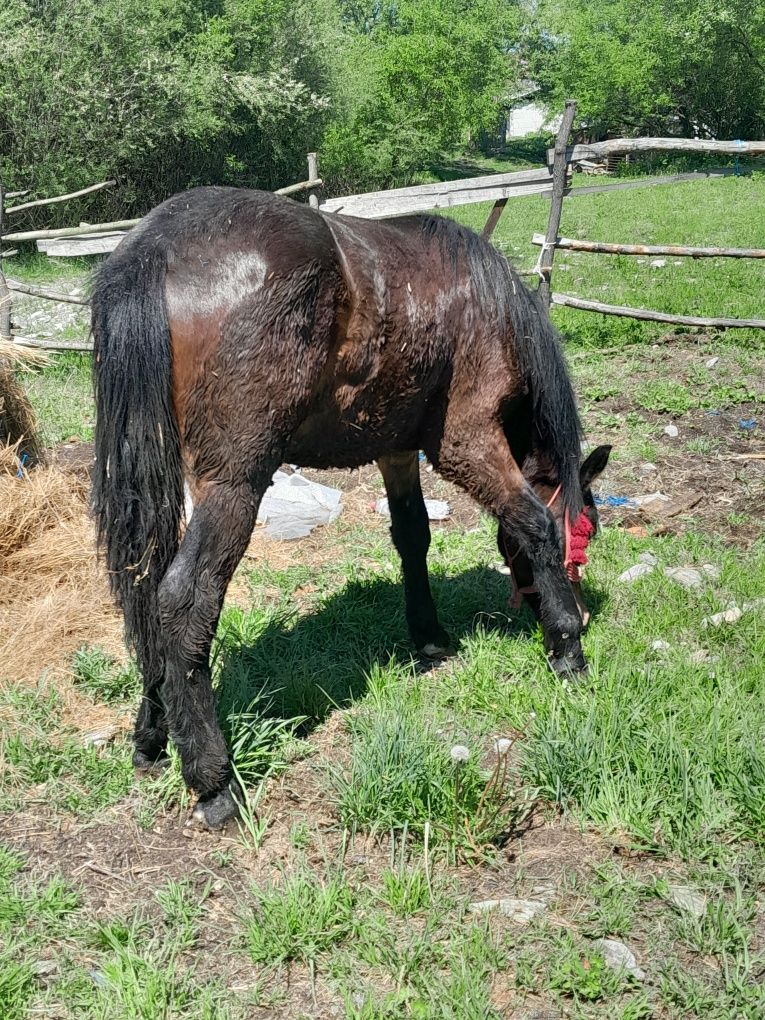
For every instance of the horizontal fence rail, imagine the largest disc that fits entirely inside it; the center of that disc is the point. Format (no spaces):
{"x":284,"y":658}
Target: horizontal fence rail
{"x":625,"y":146}
{"x":58,"y":198}
{"x":650,"y":315}
{"x":442,"y":195}
{"x":681,"y":250}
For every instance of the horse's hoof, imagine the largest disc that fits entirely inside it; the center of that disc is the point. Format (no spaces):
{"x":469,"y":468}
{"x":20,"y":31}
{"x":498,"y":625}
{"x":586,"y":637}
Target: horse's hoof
{"x":219,"y":808}
{"x":147,"y":766}
{"x":435,"y":651}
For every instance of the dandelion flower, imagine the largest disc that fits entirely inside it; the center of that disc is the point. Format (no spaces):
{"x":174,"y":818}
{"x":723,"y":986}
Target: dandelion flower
{"x":502,"y":745}
{"x":460,"y":753}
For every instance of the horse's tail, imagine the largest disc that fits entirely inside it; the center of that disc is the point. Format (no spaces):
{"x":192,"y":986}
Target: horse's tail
{"x":558,"y":431}
{"x":137,"y":493}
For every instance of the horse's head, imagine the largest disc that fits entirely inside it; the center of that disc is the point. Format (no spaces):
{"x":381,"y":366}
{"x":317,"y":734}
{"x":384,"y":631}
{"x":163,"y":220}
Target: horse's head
{"x":575,"y":535}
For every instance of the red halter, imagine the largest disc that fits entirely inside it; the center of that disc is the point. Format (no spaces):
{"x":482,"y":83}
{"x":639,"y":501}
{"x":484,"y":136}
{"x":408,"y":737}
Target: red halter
{"x":576,"y":540}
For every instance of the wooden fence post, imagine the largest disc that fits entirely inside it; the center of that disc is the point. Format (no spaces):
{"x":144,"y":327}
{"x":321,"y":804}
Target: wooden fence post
{"x":560,"y":168}
{"x":313,"y":175}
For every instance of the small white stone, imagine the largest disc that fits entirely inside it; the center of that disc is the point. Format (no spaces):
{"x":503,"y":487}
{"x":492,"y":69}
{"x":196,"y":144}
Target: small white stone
{"x":687,"y":899}
{"x":711,"y":362}
{"x":619,"y":957}
{"x":672,"y":431}
{"x":711,"y":570}
{"x":633,"y":573}
{"x":732,"y":615}
{"x":646,"y":468}
{"x":660,"y":646}
{"x":460,"y":753}
{"x":658,"y":263}
{"x":688,"y":577}
{"x":649,"y":558}
{"x":699,"y":657}
{"x":520,"y":911}
{"x":101,"y":737}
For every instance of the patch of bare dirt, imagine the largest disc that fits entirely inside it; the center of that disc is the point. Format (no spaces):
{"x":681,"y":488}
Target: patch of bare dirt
{"x":713,"y":470}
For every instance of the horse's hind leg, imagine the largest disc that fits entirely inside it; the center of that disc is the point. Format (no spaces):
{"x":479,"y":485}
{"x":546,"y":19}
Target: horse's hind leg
{"x":410,"y":532}
{"x":150,"y":734}
{"x":191,"y":597}
{"x":482,"y":464}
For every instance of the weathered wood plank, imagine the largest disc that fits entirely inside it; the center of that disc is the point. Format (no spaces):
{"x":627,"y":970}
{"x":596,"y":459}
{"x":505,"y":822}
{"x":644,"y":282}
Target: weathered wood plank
{"x":443,"y":194}
{"x":292,"y":189}
{"x":647,"y":182}
{"x":52,"y":345}
{"x":313,"y":177}
{"x":49,"y":295}
{"x":682,"y":250}
{"x":648,"y":314}
{"x":82,"y":230}
{"x":60,"y":198}
{"x":72,"y":247}
{"x":494,"y":217}
{"x":556,"y":205}
{"x":621,"y":146}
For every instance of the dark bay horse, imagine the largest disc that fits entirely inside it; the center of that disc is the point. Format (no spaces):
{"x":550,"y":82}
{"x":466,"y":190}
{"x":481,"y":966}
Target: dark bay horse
{"x":235,"y":330}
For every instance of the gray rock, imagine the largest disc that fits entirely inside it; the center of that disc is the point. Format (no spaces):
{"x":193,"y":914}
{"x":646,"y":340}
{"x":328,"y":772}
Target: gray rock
{"x":619,"y":957}
{"x":687,"y":900}
{"x":688,"y":577}
{"x":520,"y":911}
{"x":731,"y":615}
{"x":45,"y":971}
{"x":649,"y":558}
{"x":711,"y":570}
{"x":699,"y":657}
{"x":633,"y":573}
{"x":672,"y":431}
{"x":101,"y":737}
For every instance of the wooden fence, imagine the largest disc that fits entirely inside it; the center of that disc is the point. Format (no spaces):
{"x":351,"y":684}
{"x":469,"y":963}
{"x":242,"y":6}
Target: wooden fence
{"x":85,"y":239}
{"x":552,"y":181}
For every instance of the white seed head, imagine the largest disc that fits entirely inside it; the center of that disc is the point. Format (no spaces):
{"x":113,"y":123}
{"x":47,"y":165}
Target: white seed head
{"x":502,"y":745}
{"x":532,"y":716}
{"x":460,"y":753}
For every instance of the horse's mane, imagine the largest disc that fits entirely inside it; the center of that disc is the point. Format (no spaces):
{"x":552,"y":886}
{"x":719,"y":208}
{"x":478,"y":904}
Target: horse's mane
{"x":520,"y":314}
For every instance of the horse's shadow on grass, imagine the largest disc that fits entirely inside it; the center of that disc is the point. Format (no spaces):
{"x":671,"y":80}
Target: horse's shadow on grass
{"x":309,"y":665}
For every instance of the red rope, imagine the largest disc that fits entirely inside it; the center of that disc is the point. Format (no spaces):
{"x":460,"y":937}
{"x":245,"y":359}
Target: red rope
{"x":576,"y":539}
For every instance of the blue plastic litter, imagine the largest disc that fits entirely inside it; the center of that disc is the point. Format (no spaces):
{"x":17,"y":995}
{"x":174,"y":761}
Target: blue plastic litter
{"x":422,"y":455}
{"x":614,"y":501}
{"x":22,"y":461}
{"x":747,"y":423}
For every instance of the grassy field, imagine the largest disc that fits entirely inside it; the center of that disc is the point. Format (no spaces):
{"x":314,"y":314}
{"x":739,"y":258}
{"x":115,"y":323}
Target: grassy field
{"x":378,"y":875}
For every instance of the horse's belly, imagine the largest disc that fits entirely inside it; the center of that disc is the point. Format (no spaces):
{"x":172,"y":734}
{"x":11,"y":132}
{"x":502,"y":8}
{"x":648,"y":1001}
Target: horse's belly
{"x":331,"y":438}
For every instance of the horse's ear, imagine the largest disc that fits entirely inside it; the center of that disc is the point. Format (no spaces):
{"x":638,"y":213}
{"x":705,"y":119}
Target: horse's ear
{"x":594,"y":465}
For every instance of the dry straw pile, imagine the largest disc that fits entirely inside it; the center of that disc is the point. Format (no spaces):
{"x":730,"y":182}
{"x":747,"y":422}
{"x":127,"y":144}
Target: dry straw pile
{"x":53,"y":594}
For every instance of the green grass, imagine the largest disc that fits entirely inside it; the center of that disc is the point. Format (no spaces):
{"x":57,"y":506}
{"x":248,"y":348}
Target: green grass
{"x":103,"y":678}
{"x":61,"y":395}
{"x":299,"y":919}
{"x":654,"y":752}
{"x":724,"y":212}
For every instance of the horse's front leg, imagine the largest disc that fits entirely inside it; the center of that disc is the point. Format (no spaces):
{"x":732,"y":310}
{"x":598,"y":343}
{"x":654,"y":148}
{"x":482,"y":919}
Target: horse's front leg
{"x":485,"y":468}
{"x":190,"y":600}
{"x":410,"y":532}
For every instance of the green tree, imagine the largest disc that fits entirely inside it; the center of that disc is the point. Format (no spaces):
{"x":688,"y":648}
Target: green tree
{"x":412,"y":80}
{"x":662,"y":65}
